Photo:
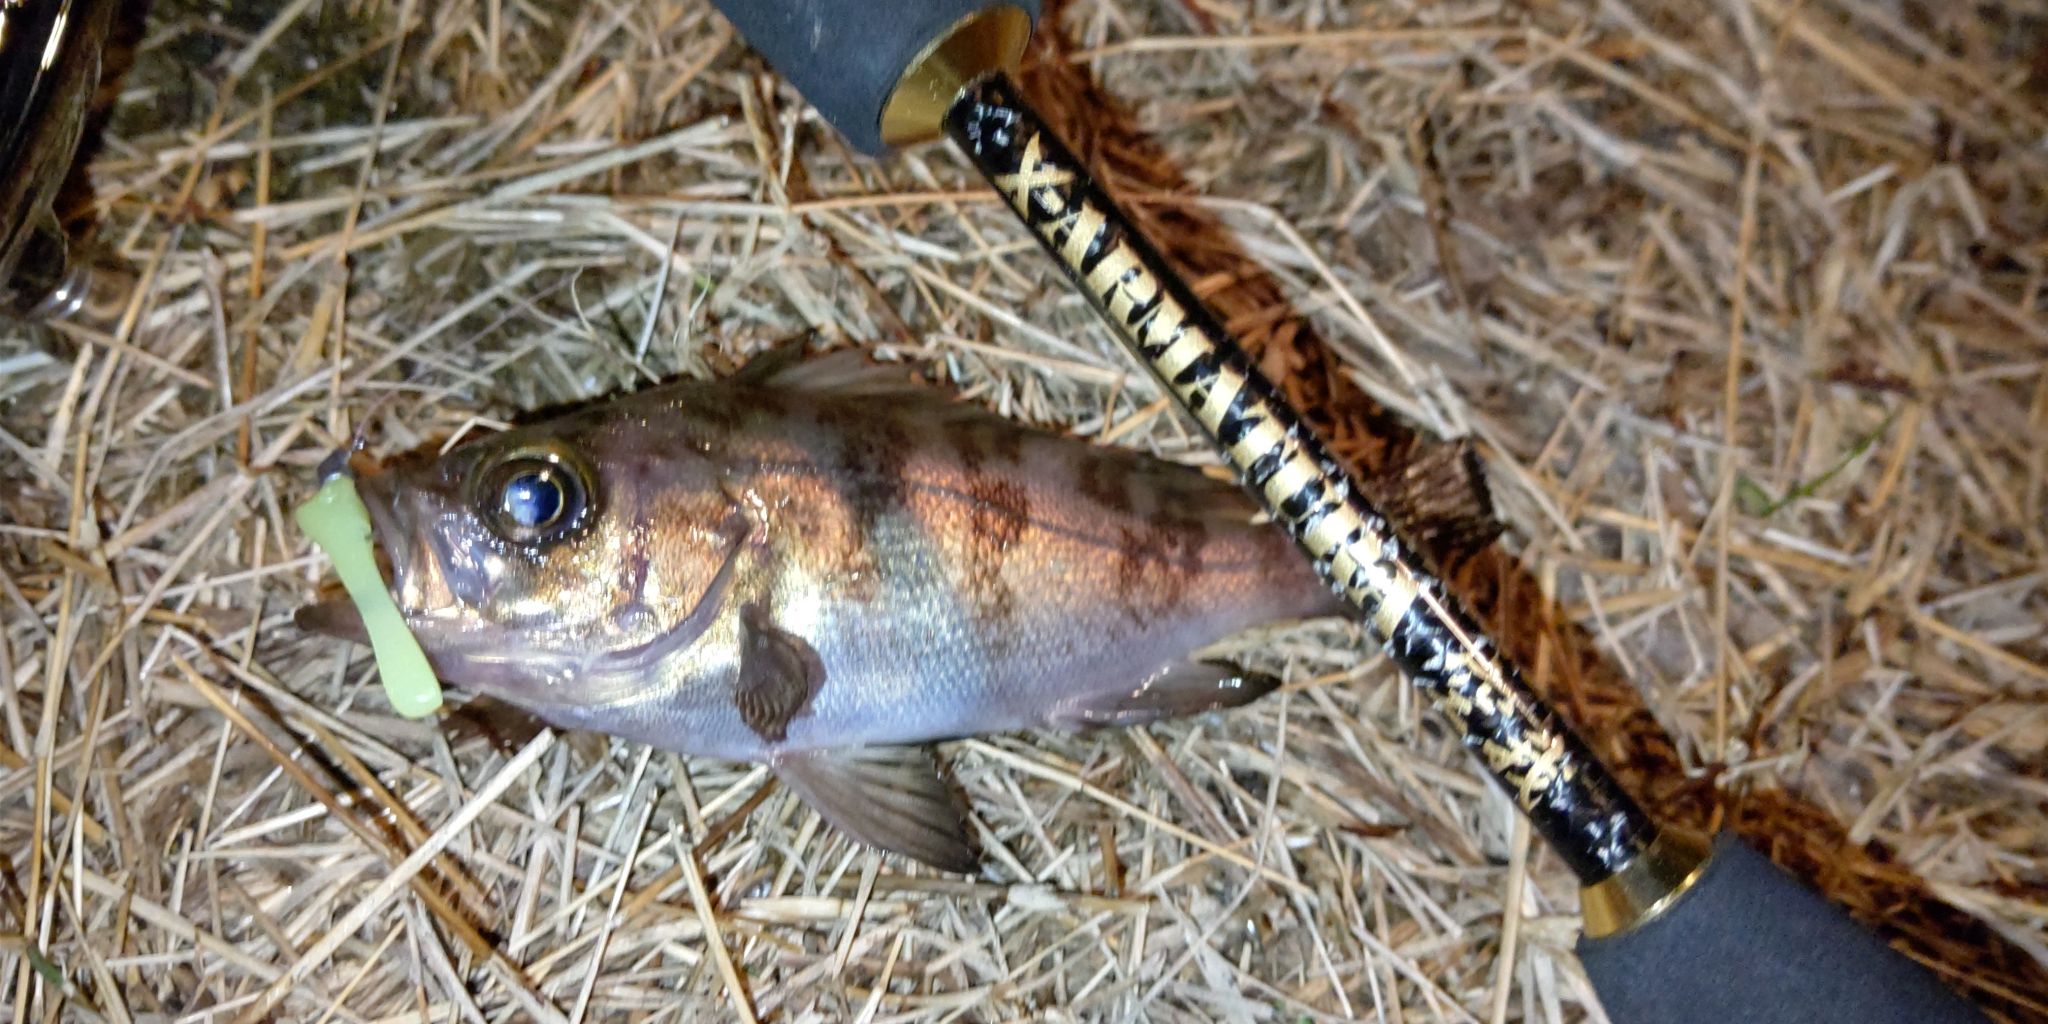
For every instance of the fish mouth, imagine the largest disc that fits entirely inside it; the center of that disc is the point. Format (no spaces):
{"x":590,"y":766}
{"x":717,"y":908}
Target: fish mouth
{"x":416,"y":505}
{"x":397,"y":547}
{"x":464,"y":650}
{"x":398,"y":550}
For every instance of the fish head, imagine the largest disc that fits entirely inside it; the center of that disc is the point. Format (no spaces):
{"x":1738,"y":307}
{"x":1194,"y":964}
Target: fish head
{"x":553,"y":565}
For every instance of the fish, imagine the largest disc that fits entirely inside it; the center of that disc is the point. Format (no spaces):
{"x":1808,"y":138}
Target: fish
{"x":821,"y":565}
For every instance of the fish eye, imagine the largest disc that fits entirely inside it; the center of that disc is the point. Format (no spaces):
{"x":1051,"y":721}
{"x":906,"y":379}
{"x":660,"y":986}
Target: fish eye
{"x":533,"y":499}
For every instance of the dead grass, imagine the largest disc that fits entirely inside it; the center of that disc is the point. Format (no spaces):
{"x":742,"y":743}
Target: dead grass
{"x":1741,"y":301}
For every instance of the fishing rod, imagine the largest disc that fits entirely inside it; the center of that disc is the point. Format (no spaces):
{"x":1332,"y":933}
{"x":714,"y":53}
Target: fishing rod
{"x":1677,"y":928}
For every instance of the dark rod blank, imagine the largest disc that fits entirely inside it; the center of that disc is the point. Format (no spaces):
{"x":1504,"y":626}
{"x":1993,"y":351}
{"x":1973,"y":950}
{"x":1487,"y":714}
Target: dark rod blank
{"x":1572,"y":800}
{"x":1749,"y":943}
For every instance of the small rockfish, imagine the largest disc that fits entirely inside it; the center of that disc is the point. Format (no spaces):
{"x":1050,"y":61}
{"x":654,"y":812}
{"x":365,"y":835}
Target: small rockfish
{"x":822,"y":568}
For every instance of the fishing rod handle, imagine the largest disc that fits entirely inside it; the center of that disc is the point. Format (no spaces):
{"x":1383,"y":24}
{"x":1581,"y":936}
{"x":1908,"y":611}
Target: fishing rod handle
{"x":1569,"y":796}
{"x":1747,"y":942}
{"x":883,"y":72}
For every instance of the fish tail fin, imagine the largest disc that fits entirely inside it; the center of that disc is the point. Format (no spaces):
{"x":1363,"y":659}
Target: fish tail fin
{"x":1438,"y":501}
{"x":1440,"y":498}
{"x":1179,"y":691}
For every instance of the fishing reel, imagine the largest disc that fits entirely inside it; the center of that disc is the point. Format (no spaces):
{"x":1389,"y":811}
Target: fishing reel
{"x":52,"y":54}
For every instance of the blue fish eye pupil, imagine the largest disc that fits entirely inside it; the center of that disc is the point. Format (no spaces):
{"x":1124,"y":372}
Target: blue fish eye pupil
{"x":533,"y":499}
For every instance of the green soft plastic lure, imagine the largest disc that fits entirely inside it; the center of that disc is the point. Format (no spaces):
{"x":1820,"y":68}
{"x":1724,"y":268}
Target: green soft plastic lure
{"x":338,"y":522}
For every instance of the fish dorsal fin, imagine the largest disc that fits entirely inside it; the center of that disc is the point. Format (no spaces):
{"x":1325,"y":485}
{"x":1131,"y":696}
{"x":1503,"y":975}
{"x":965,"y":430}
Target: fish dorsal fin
{"x":887,"y":797}
{"x":1177,"y":691}
{"x":778,"y":357}
{"x":788,"y":366}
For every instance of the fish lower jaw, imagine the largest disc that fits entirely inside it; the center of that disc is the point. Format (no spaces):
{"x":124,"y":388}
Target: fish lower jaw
{"x":521,"y":677}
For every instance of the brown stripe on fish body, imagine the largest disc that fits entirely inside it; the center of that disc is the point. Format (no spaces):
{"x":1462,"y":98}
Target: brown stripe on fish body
{"x":873,"y":454}
{"x":1158,"y":563}
{"x":1568,"y":796}
{"x":977,"y":440}
{"x":966,"y":438}
{"x":1007,"y":445}
{"x":999,"y":514}
{"x":1104,"y":480}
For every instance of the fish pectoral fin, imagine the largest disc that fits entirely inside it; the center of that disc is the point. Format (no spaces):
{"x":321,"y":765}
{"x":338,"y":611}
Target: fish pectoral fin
{"x":887,"y":797}
{"x":779,"y":674}
{"x":1177,"y":691}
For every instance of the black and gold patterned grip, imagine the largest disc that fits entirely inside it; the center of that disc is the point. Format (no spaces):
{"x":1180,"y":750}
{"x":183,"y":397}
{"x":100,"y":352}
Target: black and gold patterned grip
{"x":1569,"y":796}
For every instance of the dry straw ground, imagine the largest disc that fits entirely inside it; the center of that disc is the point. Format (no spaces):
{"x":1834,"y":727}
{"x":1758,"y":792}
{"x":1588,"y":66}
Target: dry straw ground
{"x":1740,"y":301}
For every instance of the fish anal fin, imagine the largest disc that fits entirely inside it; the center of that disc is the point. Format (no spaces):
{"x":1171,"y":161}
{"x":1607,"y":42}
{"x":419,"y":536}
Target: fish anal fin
{"x":1178,"y":691}
{"x":779,"y":674}
{"x":1440,"y":498}
{"x":890,"y":798}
